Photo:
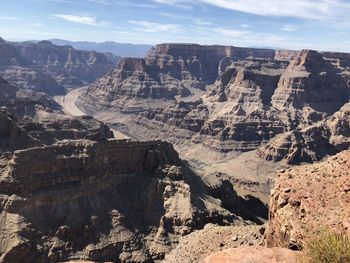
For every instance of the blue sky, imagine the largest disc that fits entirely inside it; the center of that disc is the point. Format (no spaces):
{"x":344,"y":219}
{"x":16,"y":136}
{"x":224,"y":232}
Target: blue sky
{"x":293,"y":24}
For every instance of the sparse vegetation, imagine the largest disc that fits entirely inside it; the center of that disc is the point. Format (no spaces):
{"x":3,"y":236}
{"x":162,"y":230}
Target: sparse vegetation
{"x":327,"y":247}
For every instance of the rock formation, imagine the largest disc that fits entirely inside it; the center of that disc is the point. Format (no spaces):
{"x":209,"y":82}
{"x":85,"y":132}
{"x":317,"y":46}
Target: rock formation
{"x":73,"y":200}
{"x":308,"y":199}
{"x":69,"y":192}
{"x":167,"y":71}
{"x":33,"y":80}
{"x":198,"y":245}
{"x":39,"y":117}
{"x":48,"y":68}
{"x":9,"y":56}
{"x":13,"y":137}
{"x":252,"y":94}
{"x":313,"y":142}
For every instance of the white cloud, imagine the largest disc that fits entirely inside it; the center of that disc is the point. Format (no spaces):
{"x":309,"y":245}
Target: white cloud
{"x":152,"y":27}
{"x":178,"y":3}
{"x":37,"y":24}
{"x":245,"y":26}
{"x":247,"y":38}
{"x":44,"y":33}
{"x":10,"y":18}
{"x":307,"y":9}
{"x":231,"y":32}
{"x":120,"y":32}
{"x":201,"y":22}
{"x":121,"y":2}
{"x":86,"y":20}
{"x":289,"y":28}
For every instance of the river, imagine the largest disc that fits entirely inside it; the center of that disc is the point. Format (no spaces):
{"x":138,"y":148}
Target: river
{"x":69,"y":107}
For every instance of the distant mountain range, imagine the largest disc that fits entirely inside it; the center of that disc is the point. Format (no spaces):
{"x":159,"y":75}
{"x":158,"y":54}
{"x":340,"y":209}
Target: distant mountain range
{"x":120,"y":49}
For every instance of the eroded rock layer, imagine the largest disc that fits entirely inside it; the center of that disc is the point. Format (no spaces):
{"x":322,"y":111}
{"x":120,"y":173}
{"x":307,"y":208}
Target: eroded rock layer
{"x":102,"y":201}
{"x":312,"y":143}
{"x":224,"y":98}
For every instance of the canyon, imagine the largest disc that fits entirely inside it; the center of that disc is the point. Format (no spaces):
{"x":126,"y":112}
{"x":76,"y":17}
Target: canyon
{"x":173,"y":157}
{"x":223,"y":106}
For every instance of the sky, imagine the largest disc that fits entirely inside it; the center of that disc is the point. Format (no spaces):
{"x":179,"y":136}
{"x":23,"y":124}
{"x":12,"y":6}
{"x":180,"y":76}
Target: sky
{"x":290,"y":24}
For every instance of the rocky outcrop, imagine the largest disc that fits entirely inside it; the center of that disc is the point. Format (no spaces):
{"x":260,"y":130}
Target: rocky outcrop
{"x":70,"y":67}
{"x":167,"y":71}
{"x":7,"y":92}
{"x":50,"y":127}
{"x":9,"y":56}
{"x":39,"y":117}
{"x":311,"y":80}
{"x":12,"y":137}
{"x":48,"y":68}
{"x":198,"y":245}
{"x":308,"y":198}
{"x":33,"y":80}
{"x":312,"y":143}
{"x":101,"y":201}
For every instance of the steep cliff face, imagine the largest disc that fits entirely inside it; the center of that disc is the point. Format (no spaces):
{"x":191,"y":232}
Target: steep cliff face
{"x":49,"y":68}
{"x":39,"y":117}
{"x":253,"y":99}
{"x":33,"y":80}
{"x":12,"y":137}
{"x":7,"y":92}
{"x":168,"y":70}
{"x":10,"y":56}
{"x":308,"y":197}
{"x":66,"y":64}
{"x":277,"y":104}
{"x":109,"y":201}
{"x":312,"y":143}
{"x":311,"y":80}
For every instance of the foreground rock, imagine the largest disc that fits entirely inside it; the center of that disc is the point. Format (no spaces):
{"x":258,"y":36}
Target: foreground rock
{"x":253,"y":255}
{"x":101,"y":201}
{"x":198,"y":245}
{"x":308,"y":198}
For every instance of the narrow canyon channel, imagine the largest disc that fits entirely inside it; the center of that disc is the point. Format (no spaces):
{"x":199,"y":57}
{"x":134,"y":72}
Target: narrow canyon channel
{"x":67,"y":102}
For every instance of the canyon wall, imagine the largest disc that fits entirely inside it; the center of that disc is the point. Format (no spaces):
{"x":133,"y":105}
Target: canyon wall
{"x":101,"y":201}
{"x":45,"y":67}
{"x":225,"y":98}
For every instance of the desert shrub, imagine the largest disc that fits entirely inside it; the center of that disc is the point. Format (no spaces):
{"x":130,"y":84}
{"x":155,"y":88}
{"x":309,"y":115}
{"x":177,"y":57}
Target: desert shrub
{"x":327,"y":247}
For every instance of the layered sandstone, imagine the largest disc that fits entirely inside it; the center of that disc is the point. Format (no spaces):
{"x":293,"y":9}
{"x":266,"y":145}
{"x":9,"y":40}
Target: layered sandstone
{"x":311,"y":80}
{"x":167,"y":71}
{"x":100,"y":201}
{"x":252,"y":94}
{"x":12,"y":137}
{"x":312,"y":143}
{"x":33,"y":80}
{"x":309,"y":199}
{"x":40,"y":118}
{"x":265,"y":105}
{"x":70,"y":67}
